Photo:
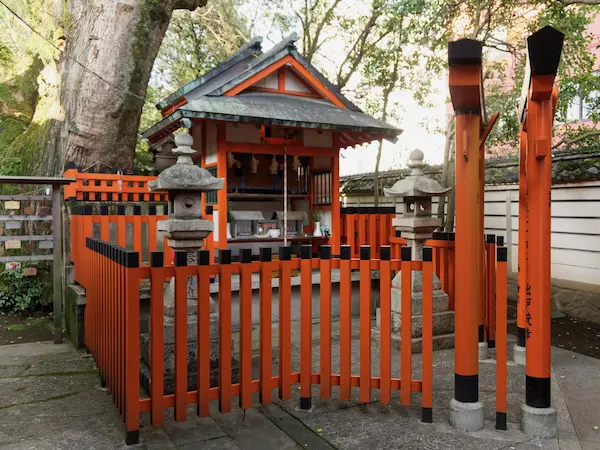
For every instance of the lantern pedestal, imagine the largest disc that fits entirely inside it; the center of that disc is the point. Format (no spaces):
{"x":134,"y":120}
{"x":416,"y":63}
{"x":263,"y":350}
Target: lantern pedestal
{"x":185,"y":230}
{"x":417,"y":226}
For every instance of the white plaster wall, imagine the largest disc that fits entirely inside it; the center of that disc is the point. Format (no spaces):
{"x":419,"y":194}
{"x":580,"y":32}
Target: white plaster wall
{"x":216,"y":222}
{"x":271,"y":81}
{"x":575,"y":226}
{"x":293,"y":84}
{"x":211,"y":143}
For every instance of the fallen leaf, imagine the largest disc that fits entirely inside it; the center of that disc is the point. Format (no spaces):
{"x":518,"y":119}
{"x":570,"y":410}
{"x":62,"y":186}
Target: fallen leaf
{"x":319,"y":430}
{"x":595,"y":427}
{"x":563,"y":376}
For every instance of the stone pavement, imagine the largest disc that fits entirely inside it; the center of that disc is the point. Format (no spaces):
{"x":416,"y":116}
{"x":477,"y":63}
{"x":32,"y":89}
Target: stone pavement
{"x":50,"y":398}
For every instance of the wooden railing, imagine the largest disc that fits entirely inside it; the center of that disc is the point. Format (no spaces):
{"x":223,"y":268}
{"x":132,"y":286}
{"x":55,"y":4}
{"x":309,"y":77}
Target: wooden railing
{"x":112,"y":276}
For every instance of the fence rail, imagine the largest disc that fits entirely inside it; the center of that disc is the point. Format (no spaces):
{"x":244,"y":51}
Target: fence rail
{"x":112,"y":278}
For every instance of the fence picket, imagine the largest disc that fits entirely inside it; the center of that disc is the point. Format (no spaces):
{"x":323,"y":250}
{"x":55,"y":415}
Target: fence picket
{"x":325,"y":321}
{"x":266,"y":325}
{"x":181,"y":353}
{"x":245,"y":295}
{"x":203,"y":332}
{"x":501,"y":338}
{"x":406,"y":328}
{"x":427,"y":337}
{"x":345,"y":323}
{"x":305,"y":327}
{"x":225,"y":331}
{"x":385,"y":320}
{"x":132,"y":342}
{"x":365,"y":323}
{"x":285,"y":320}
{"x":157,"y":357}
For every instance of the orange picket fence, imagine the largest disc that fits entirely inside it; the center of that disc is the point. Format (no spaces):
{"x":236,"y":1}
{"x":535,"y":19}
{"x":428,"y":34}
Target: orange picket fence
{"x":367,"y":226}
{"x":112,"y":277}
{"x":116,"y":187}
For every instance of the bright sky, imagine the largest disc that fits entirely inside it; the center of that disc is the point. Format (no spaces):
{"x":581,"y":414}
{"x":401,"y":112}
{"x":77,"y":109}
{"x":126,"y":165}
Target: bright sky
{"x":423,"y":127}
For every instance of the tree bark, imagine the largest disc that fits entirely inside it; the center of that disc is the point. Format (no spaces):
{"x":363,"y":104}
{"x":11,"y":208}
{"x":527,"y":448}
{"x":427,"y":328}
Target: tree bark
{"x":101,"y":103}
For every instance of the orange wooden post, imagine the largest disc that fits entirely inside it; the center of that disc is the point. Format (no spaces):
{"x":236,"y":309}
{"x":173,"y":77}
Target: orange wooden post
{"x":120,"y":315}
{"x":385,"y":308}
{"x":335,"y":197}
{"x":305,"y":327}
{"x":522,"y":282}
{"x":157,"y":338}
{"x":245,"y":397}
{"x":345,"y":323}
{"x":76,"y":244}
{"x":137,"y":230}
{"x":536,"y":112}
{"x":181,"y":352}
{"x":121,"y":226}
{"x":365,"y":323}
{"x":285,"y":320}
{"x":104,"y":224}
{"x":132,"y":345}
{"x":362,"y":229}
{"x":87,"y":230}
{"x":481,"y":295}
{"x":465,"y":75}
{"x":266,"y":325}
{"x":427,"y":337}
{"x":203,"y":368}
{"x":491,"y":282}
{"x":501,"y":338}
{"x":406,"y":328}
{"x":443,"y":252}
{"x":351,"y":229}
{"x":225,"y":331}
{"x":451,"y":258}
{"x":152,"y":224}
{"x":383,"y":233}
{"x":325,"y":321}
{"x":372,"y":241}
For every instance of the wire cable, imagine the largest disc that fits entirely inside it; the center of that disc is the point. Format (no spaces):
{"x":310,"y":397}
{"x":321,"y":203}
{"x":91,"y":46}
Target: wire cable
{"x":100,"y":77}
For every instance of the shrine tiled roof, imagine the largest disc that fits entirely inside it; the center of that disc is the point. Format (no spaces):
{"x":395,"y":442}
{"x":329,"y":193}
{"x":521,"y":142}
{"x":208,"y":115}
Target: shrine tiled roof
{"x":282,"y":110}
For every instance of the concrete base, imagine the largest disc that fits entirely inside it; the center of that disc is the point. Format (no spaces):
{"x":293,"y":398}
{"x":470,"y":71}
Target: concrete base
{"x":466,"y":416}
{"x":482,"y":351}
{"x":519,"y":355}
{"x":538,"y":422}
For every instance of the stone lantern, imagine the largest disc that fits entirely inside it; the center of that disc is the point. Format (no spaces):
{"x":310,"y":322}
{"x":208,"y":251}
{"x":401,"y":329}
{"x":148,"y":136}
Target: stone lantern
{"x":185,"y":230}
{"x":416,"y":224}
{"x":416,"y":192}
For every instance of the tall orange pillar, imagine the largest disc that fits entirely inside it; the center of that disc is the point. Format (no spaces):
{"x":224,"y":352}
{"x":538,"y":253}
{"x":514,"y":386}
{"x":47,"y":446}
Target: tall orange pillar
{"x":464,"y":59}
{"x":537,"y":112}
{"x":522,"y":284}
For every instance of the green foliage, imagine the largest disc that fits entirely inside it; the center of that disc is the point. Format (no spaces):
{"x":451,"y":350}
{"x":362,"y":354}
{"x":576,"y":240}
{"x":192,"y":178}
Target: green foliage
{"x":19,"y":292}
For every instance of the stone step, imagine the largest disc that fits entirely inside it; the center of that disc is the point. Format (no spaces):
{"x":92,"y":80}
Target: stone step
{"x":440,"y":342}
{"x":443,"y":323}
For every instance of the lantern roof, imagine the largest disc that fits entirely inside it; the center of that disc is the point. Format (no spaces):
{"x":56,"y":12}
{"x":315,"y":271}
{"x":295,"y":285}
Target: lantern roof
{"x":416,"y":184}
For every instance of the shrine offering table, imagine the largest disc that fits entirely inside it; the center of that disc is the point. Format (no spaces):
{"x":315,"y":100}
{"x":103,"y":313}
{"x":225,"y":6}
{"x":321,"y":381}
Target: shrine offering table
{"x":255,"y":243}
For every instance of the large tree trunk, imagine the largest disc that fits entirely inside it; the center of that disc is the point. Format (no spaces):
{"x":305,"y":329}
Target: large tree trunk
{"x":118,"y":41}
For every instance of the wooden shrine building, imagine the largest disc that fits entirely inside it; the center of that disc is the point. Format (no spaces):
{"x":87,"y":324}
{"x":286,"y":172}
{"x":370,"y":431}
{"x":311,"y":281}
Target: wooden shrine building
{"x":248,"y":114}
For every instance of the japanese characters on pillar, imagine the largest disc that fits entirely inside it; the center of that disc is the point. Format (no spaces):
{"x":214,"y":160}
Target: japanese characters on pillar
{"x":466,"y":91}
{"x":536,"y":114}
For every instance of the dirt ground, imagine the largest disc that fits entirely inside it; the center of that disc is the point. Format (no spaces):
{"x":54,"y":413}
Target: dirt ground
{"x":570,"y":333}
{"x":25,"y":327}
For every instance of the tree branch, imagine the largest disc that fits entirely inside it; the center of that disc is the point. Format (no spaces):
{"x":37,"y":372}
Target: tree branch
{"x":578,"y":2}
{"x":190,"y":5}
{"x":581,"y":137}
